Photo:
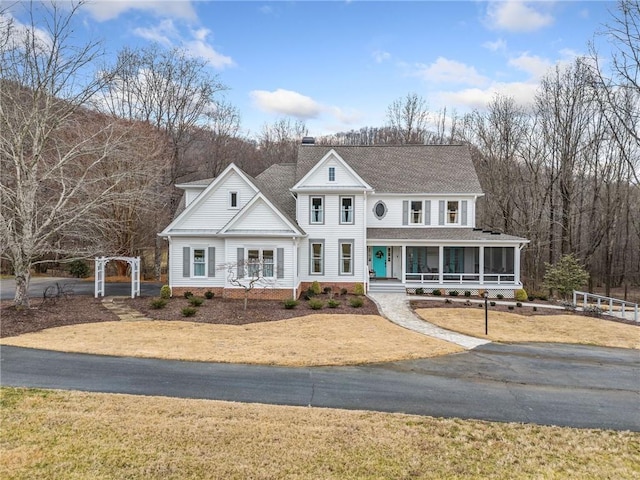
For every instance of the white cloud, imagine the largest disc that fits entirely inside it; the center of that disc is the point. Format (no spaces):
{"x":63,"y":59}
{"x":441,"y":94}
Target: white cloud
{"x":380,"y":56}
{"x":522,"y":92}
{"x":286,"y":102}
{"x":498,"y":45}
{"x":534,"y":65}
{"x":19,"y":33}
{"x":518,"y":16}
{"x":444,"y":70}
{"x":103,"y":10}
{"x":194,"y":42}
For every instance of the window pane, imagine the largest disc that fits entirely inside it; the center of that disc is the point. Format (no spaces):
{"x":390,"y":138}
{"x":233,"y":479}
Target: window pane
{"x":452,"y":212}
{"x":198,"y":263}
{"x":332,"y":174}
{"x":345,"y":257}
{"x":416,"y":212}
{"x":267,"y":263}
{"x":346,"y":215}
{"x":234,"y":199}
{"x":253,"y":263}
{"x":316,"y":258}
{"x":316,"y":210}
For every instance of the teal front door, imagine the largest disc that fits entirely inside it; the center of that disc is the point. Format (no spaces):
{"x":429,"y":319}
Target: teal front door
{"x":379,"y":261}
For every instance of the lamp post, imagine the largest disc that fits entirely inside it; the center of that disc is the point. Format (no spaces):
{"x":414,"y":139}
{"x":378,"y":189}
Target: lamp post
{"x":486,"y":313}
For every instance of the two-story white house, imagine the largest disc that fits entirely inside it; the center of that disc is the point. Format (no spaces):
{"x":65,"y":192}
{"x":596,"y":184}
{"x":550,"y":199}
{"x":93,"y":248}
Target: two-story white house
{"x":388,"y":217}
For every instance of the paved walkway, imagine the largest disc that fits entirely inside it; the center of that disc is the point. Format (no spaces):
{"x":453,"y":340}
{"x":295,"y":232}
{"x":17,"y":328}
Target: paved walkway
{"x":126,"y":314}
{"x":395,"y":307}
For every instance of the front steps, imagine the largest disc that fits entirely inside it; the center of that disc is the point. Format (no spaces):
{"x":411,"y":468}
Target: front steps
{"x":387,"y":286}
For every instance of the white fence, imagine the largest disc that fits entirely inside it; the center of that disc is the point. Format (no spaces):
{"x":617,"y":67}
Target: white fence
{"x":602,"y":303}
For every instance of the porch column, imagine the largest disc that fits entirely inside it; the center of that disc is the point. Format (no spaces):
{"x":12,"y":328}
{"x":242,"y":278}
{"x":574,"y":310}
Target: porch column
{"x":481,"y":265}
{"x":440,"y":264}
{"x":403,"y":262}
{"x":516,"y":261}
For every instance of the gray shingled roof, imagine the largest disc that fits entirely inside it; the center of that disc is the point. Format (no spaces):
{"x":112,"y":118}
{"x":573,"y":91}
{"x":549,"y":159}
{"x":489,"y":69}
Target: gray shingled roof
{"x":402,"y":169}
{"x":460,"y":234}
{"x":275,"y":183}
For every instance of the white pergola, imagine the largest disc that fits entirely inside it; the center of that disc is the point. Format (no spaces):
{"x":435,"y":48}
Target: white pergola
{"x":101,"y":263}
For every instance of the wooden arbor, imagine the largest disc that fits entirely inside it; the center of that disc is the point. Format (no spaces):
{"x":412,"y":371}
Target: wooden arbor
{"x":101,"y":263}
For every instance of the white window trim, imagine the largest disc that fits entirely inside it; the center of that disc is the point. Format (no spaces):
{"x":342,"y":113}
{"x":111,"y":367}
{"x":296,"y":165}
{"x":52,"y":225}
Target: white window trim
{"x":421,"y":219}
{"x":193,"y":261}
{"x":446,"y":213}
{"x":261,"y":262}
{"x":330,"y":171}
{"x":353,"y":213}
{"x":341,"y":257}
{"x":231,"y":206}
{"x":322,"y":209}
{"x":322,"y":254}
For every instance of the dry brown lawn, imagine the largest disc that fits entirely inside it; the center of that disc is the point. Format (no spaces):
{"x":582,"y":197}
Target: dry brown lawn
{"x":74,"y":435}
{"x":320,"y":339}
{"x":511,"y":327}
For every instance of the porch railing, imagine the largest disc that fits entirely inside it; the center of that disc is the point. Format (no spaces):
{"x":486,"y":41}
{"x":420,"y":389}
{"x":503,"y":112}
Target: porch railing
{"x":460,"y":278}
{"x":602,"y":301}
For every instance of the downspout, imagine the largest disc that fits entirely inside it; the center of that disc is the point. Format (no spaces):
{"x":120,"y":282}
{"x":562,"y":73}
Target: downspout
{"x":365,"y":266}
{"x":294,"y":275}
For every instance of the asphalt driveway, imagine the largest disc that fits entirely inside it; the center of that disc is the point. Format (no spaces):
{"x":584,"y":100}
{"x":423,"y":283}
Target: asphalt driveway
{"x":547,"y":384}
{"x":37,"y":286}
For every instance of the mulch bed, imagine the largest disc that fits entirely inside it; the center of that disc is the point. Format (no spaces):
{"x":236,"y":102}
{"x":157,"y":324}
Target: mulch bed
{"x":230,"y":312}
{"x":83,"y":309}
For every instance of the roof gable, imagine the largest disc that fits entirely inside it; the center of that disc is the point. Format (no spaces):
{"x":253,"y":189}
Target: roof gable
{"x":344,"y":176}
{"x":207,"y":201}
{"x":260,"y":217}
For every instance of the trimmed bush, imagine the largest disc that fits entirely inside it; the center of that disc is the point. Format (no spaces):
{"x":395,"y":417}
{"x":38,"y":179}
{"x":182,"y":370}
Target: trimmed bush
{"x":316,"y":304}
{"x":436,"y":293}
{"x":499,"y":296}
{"x":196,"y":301}
{"x":343,"y":291}
{"x":189,"y":311}
{"x":188,"y":294}
{"x":535,"y":309}
{"x":521,"y":295}
{"x":327,"y":290}
{"x":453,"y":293}
{"x":333,"y":303}
{"x":79,"y":269}
{"x":447,"y":300}
{"x":209,"y":294}
{"x":467,"y":293}
{"x":518,"y":304}
{"x":493,"y":304}
{"x":356,"y":302}
{"x":290,"y":303}
{"x":419,"y":291}
{"x":358,"y":289}
{"x":165,"y":292}
{"x":316,"y":288}
{"x":158,"y":303}
{"x":510,"y":307}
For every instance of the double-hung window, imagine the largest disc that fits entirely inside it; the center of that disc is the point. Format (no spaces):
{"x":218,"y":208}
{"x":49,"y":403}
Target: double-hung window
{"x":416,"y":212}
{"x":316,"y":257}
{"x":260,"y":263}
{"x":316,"y":212}
{"x":199,"y":262}
{"x":346,"y":257}
{"x":346,"y":210}
{"x":453,"y":215}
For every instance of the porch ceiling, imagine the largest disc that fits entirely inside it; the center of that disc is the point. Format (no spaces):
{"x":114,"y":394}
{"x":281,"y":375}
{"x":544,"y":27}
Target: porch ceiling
{"x":440,"y":234}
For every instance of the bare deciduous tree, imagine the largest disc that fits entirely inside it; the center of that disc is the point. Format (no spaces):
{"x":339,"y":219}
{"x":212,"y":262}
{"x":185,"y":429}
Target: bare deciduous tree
{"x":53,"y":150}
{"x":408,"y":118}
{"x":250,"y":274}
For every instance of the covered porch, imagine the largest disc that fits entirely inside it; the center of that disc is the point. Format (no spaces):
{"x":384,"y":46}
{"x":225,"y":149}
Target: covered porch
{"x":477,"y":261}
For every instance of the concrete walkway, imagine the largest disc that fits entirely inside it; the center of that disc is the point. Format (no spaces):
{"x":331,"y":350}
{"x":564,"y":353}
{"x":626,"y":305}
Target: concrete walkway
{"x":395,"y":307}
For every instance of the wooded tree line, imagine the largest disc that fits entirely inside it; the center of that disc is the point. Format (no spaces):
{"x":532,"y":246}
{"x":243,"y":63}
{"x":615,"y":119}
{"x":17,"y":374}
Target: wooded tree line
{"x":89,"y":161}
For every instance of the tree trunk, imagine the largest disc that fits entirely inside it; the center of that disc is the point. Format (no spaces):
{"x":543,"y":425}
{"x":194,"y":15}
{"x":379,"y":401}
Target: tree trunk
{"x":22,"y":272}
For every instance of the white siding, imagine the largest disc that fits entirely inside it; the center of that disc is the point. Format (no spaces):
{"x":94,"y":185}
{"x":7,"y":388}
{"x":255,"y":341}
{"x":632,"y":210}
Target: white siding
{"x":232,"y":245}
{"x":260,"y":217}
{"x":214,"y":211}
{"x":331,"y":232}
{"x":176,"y":278}
{"x":320,"y":177}
{"x":190,"y":194}
{"x":393,"y":218}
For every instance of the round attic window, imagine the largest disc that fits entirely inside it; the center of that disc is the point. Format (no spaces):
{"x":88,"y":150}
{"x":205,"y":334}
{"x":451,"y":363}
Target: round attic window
{"x":380,"y":210}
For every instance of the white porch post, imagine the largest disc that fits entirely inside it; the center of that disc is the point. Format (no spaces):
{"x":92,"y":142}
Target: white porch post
{"x":403,"y":262}
{"x":294,"y":275}
{"x":481,"y":265}
{"x":516,"y":267}
{"x":441,"y":264}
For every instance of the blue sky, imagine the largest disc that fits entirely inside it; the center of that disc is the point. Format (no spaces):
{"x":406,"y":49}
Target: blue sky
{"x":337,"y":65}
